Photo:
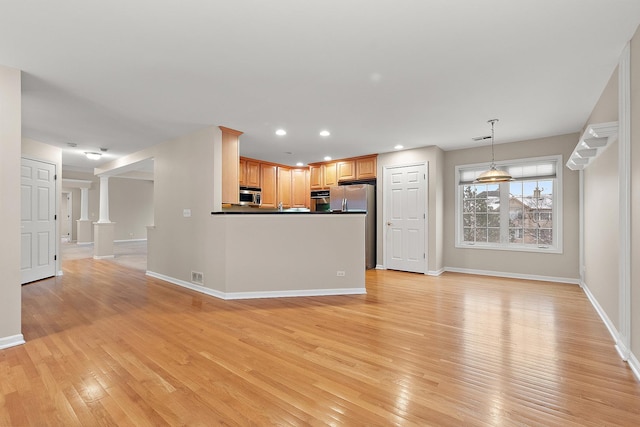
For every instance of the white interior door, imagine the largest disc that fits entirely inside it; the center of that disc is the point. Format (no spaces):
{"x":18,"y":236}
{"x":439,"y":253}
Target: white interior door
{"x":405,"y":218}
{"x":38,"y":199}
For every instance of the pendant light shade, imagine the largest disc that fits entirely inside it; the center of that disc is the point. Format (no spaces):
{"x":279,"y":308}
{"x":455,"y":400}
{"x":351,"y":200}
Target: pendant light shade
{"x":493,"y":175}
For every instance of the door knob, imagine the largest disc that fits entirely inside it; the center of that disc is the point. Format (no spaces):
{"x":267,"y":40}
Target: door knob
{"x":388,"y":223}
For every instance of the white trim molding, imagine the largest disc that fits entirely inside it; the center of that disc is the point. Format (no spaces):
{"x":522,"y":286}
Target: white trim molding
{"x":624,"y":203}
{"x":11,"y":341}
{"x":595,"y":139}
{"x":436,"y":273}
{"x":508,"y":275}
{"x":251,"y":295}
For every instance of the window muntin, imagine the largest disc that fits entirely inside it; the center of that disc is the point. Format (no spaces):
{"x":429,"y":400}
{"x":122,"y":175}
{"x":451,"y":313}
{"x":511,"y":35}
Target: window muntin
{"x":518,"y":215}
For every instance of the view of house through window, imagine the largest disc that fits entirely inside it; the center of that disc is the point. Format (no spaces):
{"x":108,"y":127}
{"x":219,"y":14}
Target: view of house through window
{"x":530,"y":208}
{"x":521,"y":213}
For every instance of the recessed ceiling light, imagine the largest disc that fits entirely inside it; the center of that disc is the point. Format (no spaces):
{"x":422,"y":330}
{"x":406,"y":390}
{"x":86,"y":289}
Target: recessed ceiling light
{"x":281,"y":132}
{"x":299,"y":164}
{"x":399,"y":147}
{"x":92,"y":156}
{"x":327,"y":158}
{"x":325,"y":133}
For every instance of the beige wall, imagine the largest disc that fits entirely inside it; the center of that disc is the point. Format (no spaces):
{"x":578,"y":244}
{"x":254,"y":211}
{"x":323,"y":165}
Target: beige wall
{"x":635,"y":194}
{"x":10,"y":149}
{"x":601,"y":237}
{"x":183,"y":179}
{"x":558,"y":266}
{"x":130,"y":207}
{"x":434,"y":157}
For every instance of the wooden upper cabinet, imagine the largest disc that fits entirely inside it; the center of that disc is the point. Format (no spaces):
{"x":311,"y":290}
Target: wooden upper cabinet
{"x":330,"y":174}
{"x":366,"y":168}
{"x":230,"y":165}
{"x":316,"y":177}
{"x":300,"y":188}
{"x":346,"y":170}
{"x":243,"y":172}
{"x":252,"y":174}
{"x":268,"y":176}
{"x":284,"y":187}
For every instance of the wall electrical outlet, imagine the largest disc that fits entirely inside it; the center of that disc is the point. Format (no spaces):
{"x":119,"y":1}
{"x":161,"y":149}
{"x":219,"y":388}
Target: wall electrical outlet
{"x":340,"y":273}
{"x":186,"y":213}
{"x":197,"y":277}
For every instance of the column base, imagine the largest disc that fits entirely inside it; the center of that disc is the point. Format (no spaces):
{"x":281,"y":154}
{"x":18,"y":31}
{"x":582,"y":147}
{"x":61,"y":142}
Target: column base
{"x":103,"y":233}
{"x":83,"y":231}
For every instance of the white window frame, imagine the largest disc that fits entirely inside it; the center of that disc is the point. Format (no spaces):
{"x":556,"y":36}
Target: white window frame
{"x":504,"y":245}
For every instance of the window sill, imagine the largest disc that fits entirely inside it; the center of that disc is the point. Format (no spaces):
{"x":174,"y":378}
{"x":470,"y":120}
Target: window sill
{"x":514,"y":248}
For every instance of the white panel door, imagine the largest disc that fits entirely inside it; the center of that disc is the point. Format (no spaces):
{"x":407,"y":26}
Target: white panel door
{"x":405,"y":210}
{"x":38,"y":198}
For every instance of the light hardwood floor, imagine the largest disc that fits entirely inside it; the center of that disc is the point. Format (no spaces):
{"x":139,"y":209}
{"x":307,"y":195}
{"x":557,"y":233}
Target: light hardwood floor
{"x":107,"y":345}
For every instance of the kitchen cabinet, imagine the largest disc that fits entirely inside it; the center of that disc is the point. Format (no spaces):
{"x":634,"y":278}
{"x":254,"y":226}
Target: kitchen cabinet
{"x":284,"y":187}
{"x":300,"y":188}
{"x":268,"y":177}
{"x":316,"y":177}
{"x":330,"y":174}
{"x":252,"y":175}
{"x":366,"y":168}
{"x":230,"y":165}
{"x":346,"y":170}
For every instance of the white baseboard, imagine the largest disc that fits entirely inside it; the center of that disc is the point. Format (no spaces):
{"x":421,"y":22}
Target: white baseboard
{"x":634,"y":364}
{"x":84,"y":243}
{"x":103,"y":256}
{"x":60,"y":273}
{"x":513,"y":275}
{"x":129,"y":240}
{"x":380,"y":267}
{"x":251,"y":295}
{"x":435,"y":272}
{"x":11,"y":341}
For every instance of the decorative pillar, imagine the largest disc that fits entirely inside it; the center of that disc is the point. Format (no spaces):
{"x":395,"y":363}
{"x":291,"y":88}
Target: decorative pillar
{"x":103,"y":230}
{"x":104,"y":200}
{"x":84,"y":204}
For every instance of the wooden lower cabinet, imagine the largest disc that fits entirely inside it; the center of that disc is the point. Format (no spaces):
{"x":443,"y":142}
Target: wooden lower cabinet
{"x":268,"y":176}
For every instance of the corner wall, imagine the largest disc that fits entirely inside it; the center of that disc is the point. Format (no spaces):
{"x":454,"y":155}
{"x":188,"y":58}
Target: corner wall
{"x":10,"y":149}
{"x":563,"y":266}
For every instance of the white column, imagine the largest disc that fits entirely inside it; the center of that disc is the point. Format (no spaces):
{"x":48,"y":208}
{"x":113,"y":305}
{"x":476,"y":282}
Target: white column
{"x":104,"y":200}
{"x":84,"y":204}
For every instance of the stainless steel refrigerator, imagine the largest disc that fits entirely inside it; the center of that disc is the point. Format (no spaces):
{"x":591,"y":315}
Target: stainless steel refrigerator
{"x":358,"y":198}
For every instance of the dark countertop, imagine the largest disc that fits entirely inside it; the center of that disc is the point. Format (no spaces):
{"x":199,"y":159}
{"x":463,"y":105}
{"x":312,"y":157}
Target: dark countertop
{"x":259,"y":212}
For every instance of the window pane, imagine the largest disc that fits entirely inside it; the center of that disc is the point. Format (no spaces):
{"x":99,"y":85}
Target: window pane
{"x":481,"y":220}
{"x":531,"y":236}
{"x":481,"y":235}
{"x":493,"y":220}
{"x":515,"y":235}
{"x":467,"y":220}
{"x":468,"y":235}
{"x":546,"y":236}
{"x":494,"y":235}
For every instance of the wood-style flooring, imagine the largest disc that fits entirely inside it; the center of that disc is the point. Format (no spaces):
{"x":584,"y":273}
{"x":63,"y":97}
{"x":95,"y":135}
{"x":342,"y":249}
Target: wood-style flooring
{"x":107,"y":345}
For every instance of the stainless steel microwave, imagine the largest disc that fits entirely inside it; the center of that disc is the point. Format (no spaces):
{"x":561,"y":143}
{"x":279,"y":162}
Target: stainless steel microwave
{"x":250,"y":196}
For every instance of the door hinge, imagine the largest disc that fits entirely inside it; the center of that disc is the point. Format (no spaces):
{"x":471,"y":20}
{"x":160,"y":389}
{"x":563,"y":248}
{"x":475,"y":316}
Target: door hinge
{"x":55,"y":257}
{"x":55,"y":217}
{"x":424,"y":216}
{"x":55,"y":177}
{"x":424,"y":256}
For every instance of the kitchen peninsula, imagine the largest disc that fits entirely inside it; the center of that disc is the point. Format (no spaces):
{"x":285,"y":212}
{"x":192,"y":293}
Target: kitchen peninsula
{"x":278,"y":254}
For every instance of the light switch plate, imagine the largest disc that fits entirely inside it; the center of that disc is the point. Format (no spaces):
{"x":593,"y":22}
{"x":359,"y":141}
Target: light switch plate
{"x":186,"y":213}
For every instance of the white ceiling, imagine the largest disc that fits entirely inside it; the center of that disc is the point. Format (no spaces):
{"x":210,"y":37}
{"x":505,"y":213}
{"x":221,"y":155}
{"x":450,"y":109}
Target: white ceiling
{"x":125,"y":74}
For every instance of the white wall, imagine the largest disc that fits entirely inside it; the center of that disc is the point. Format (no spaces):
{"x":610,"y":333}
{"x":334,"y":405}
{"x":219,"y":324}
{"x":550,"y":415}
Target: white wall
{"x":10,"y":149}
{"x":130,"y":207}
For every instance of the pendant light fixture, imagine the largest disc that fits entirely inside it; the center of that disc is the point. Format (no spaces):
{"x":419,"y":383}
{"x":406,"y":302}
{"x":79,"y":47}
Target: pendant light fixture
{"x":493,"y":174}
